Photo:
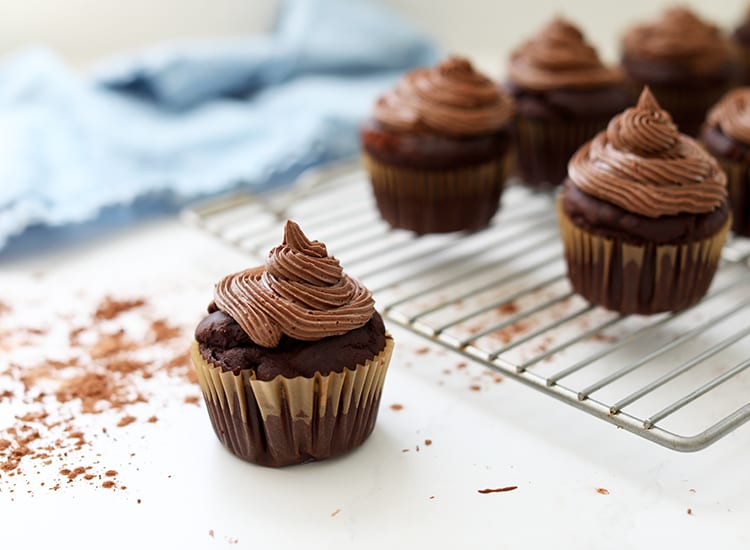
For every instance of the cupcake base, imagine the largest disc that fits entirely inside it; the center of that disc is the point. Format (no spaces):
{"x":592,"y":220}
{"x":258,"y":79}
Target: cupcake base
{"x":639,"y":278}
{"x":287,"y":421}
{"x":438,"y":201}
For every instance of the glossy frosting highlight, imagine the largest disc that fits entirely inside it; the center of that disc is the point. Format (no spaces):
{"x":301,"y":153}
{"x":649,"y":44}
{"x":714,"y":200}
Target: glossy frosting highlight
{"x":732,"y":115}
{"x":679,"y":37}
{"x":301,"y":292}
{"x":643,"y":164}
{"x":559,"y":57}
{"x":451,"y":99}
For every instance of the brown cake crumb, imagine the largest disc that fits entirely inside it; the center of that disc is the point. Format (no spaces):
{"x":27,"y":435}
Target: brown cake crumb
{"x":164,"y":331}
{"x":475,"y":387}
{"x":110,"y":308}
{"x":428,"y":442}
{"x":109,"y":484}
{"x":397,"y":407}
{"x":602,"y":491}
{"x":152,"y":419}
{"x":110,"y":473}
{"x":511,"y":308}
{"x":422,"y":351}
{"x":461,"y":366}
{"x":125,"y":420}
{"x":498,"y":490}
{"x":336,"y":512}
{"x":690,"y":511}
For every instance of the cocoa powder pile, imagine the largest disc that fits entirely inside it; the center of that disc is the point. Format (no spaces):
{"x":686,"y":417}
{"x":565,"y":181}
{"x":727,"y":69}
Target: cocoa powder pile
{"x":98,"y":366}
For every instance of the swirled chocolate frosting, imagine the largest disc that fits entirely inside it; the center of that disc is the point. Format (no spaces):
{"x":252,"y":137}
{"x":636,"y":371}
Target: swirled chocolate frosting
{"x":643,"y":164}
{"x":559,"y":57}
{"x":451,"y":99}
{"x":301,"y":292}
{"x":732,"y":115}
{"x":679,"y":37}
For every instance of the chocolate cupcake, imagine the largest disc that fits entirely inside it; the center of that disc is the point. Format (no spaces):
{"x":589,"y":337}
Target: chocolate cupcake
{"x":741,"y":42}
{"x":686,"y":61}
{"x":564,"y":95}
{"x":292,"y":357}
{"x":726,"y":135}
{"x":644,"y":214}
{"x":438,"y":149}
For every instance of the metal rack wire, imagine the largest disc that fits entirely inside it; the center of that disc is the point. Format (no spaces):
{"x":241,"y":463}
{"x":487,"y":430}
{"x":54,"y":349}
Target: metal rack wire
{"x":501,"y":297}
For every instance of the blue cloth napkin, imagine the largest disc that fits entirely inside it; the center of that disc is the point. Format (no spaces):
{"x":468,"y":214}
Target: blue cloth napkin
{"x":184,"y":121}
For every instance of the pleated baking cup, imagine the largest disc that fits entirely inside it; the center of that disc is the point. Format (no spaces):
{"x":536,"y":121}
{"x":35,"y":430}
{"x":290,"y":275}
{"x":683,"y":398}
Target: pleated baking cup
{"x":639,"y":278}
{"x":545,"y":147}
{"x":438,"y":201}
{"x":292,"y":420}
{"x":738,"y":185}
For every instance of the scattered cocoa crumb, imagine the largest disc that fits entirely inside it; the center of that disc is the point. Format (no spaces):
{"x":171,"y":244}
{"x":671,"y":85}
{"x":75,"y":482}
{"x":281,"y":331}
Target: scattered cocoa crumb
{"x":192,"y":399}
{"x":110,"y":308}
{"x":335,"y":512}
{"x":110,"y":473}
{"x":690,"y":511}
{"x":138,"y":501}
{"x":109,"y":344}
{"x":404,"y":450}
{"x":507,"y":334}
{"x":428,"y":442}
{"x":125,"y":420}
{"x":602,"y":491}
{"x":164,"y":331}
{"x":109,"y":484}
{"x":432,"y":497}
{"x":422,"y":351}
{"x":475,"y":387}
{"x":152,"y":419}
{"x":461,"y":366}
{"x":511,"y":308}
{"x":497,"y":379}
{"x":211,"y":533}
{"x":396,"y":407}
{"x":498,"y":490}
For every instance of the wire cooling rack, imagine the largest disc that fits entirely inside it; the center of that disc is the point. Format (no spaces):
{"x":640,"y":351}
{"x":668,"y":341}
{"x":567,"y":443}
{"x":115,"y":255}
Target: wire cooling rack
{"x":501,"y":297}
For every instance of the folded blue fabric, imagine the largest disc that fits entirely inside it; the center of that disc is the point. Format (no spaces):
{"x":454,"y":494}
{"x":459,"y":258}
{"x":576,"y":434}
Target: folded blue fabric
{"x":186,"y":121}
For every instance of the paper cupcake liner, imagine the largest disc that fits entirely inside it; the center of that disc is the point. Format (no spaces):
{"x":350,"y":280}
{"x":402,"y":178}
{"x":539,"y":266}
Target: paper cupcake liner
{"x":738,"y":185}
{"x":545,"y":147}
{"x":438,"y":201}
{"x":639,"y":278}
{"x":292,"y":420}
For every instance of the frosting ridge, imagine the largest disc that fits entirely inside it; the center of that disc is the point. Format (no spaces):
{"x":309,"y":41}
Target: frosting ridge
{"x":452,"y":99}
{"x":643,"y":164}
{"x":679,"y":36}
{"x":558,"y":56}
{"x":732,"y":115}
{"x":301,"y":292}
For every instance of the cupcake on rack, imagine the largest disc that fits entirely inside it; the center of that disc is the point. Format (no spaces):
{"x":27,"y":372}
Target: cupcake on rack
{"x":292,"y":357}
{"x":686,"y":61}
{"x":438,"y":149}
{"x":643,"y":214}
{"x":564,"y":95}
{"x":726,"y":135}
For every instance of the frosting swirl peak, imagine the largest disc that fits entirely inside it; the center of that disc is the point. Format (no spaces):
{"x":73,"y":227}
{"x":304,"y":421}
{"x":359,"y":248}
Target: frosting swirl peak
{"x":301,"y":292}
{"x":558,"y":56}
{"x":732,"y":115}
{"x":644,"y":165}
{"x":679,"y":36}
{"x":451,"y":99}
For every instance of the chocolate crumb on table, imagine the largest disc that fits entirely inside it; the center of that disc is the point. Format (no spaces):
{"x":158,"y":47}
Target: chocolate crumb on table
{"x":396,"y":407}
{"x":498,"y":490}
{"x":428,"y":442}
{"x":690,"y":511}
{"x":105,"y":364}
{"x":602,"y":491}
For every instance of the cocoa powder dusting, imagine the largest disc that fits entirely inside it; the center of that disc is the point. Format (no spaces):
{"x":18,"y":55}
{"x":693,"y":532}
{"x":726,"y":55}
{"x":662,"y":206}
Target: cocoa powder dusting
{"x":59,"y":402}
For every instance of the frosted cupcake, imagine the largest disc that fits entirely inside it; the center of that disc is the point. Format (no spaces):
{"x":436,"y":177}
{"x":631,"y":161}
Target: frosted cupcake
{"x":644,"y":214}
{"x":564,"y":95}
{"x":292,"y":357}
{"x":726,"y":135}
{"x":685,"y":60}
{"x":438,"y":149}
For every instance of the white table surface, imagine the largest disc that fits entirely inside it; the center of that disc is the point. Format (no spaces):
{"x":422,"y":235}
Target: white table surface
{"x":194,"y":494}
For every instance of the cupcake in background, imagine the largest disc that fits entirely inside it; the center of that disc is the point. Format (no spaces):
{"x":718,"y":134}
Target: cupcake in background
{"x":643,"y":214}
{"x":686,"y":61}
{"x":292,"y":357}
{"x":438,"y":149}
{"x":564,"y":95}
{"x":726,"y":135}
{"x":741,"y":42}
